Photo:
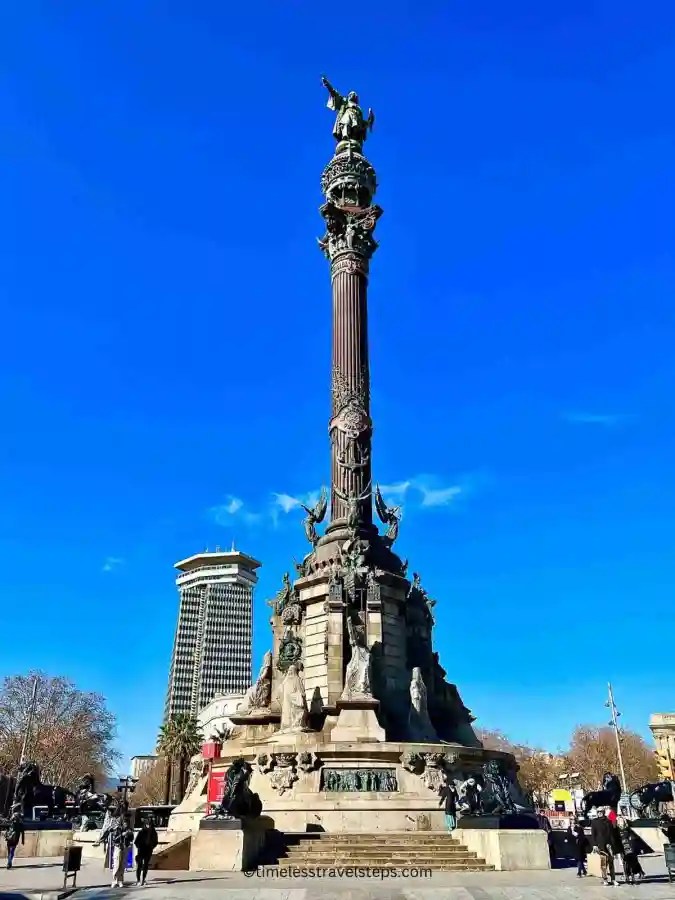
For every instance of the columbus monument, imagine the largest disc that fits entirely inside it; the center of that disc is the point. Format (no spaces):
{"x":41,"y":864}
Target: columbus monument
{"x":352,"y":724}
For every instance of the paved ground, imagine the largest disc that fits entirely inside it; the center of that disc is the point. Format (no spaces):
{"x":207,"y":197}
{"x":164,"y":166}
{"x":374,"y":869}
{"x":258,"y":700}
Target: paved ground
{"x":35,"y":878}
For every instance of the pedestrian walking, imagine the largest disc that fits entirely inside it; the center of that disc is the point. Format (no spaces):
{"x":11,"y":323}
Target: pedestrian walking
{"x":449,"y":800}
{"x":630,"y":847}
{"x":146,"y":841}
{"x":119,"y":837}
{"x":603,"y":839}
{"x":582,"y":846}
{"x":14,"y":832}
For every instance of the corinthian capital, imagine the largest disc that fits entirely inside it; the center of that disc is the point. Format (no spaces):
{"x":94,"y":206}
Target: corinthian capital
{"x":349,"y":231}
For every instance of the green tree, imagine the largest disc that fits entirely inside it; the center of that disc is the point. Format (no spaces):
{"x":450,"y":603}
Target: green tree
{"x":179,"y":739}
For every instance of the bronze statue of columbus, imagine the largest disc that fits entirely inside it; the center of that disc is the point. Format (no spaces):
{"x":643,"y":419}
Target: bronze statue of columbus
{"x":350,"y":124}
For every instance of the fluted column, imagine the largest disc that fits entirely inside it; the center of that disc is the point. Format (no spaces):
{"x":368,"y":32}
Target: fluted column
{"x":349,"y":184}
{"x":350,"y":427}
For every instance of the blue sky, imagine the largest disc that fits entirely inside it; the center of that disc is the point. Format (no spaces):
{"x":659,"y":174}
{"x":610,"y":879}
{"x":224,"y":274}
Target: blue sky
{"x":166,"y":323}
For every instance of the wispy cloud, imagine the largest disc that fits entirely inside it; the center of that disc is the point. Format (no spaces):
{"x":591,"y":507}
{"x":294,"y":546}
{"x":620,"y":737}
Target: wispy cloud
{"x":111,"y":563}
{"x":397,"y":490}
{"x":440,"y":496}
{"x":236,"y":510}
{"x":604,"y":420}
{"x":423,"y":492}
{"x":233,"y":509}
{"x":426,"y":491}
{"x":285,"y":502}
{"x":224,"y":513}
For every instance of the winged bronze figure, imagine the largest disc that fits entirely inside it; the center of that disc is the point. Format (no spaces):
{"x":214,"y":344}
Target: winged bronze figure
{"x":315,"y":515}
{"x":389,"y":515}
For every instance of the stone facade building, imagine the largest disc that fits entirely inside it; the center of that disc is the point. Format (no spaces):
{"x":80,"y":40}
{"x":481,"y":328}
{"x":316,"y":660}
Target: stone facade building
{"x":212,"y":644}
{"x":214,"y":718}
{"x":142,"y":764}
{"x":662,"y":726}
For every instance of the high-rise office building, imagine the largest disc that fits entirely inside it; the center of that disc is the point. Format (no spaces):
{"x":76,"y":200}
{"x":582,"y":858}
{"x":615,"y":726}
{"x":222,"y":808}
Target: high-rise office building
{"x":212,"y":646}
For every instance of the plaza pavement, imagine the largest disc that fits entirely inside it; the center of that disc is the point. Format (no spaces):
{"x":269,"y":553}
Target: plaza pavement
{"x":41,"y":879}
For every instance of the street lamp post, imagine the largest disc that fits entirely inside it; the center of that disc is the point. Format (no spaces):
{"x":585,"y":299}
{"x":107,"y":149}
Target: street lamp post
{"x":29,"y":722}
{"x":126,"y":786}
{"x":570,"y":776}
{"x":615,"y":725}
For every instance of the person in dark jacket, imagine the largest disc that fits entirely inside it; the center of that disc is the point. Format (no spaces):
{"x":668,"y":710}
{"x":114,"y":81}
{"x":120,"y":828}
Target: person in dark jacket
{"x":630,"y":847}
{"x":667,"y":826}
{"x":603,"y":839}
{"x":14,"y":832}
{"x":581,"y":844}
{"x":449,"y":799}
{"x":146,"y":841}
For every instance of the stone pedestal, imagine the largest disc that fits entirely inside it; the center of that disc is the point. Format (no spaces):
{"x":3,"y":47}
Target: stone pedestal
{"x":47,"y":842}
{"x":507,"y":850}
{"x":188,"y":814}
{"x":357,"y":722}
{"x":649,"y":832}
{"x":514,"y":821}
{"x":228,"y":845}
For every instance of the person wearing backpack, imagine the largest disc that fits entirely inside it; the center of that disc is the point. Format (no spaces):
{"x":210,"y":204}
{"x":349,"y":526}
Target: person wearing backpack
{"x":13,"y":834}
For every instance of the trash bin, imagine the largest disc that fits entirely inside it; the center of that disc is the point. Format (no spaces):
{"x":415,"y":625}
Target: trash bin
{"x":669,"y":853}
{"x":72,"y":859}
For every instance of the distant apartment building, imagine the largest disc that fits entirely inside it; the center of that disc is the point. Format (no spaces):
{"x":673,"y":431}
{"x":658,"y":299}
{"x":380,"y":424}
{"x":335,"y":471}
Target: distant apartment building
{"x":212,"y":644}
{"x":141,"y":764}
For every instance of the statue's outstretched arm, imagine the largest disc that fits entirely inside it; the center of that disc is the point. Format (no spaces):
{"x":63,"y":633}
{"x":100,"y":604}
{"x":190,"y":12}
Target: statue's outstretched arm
{"x":336,"y":95}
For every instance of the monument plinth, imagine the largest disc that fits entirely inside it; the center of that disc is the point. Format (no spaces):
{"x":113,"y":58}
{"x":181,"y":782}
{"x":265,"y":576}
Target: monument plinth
{"x":352,"y":725}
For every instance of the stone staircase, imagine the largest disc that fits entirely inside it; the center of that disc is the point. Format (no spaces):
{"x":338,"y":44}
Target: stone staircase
{"x":391,"y":850}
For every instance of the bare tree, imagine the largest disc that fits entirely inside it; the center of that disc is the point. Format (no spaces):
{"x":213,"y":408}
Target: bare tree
{"x":593,"y":752}
{"x":72,"y":731}
{"x":150,"y":786}
{"x":495,"y":740}
{"x":538,"y":770}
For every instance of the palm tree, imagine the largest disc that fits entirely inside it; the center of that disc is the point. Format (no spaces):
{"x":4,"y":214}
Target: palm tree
{"x":179,"y":739}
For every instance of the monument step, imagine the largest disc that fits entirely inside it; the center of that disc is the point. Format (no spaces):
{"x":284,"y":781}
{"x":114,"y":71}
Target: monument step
{"x":355,"y":842}
{"x":385,"y":863}
{"x":398,"y":850}
{"x":459,"y":853}
{"x":427,"y":840}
